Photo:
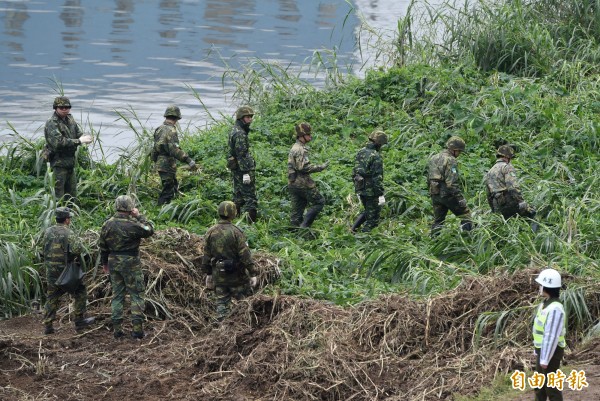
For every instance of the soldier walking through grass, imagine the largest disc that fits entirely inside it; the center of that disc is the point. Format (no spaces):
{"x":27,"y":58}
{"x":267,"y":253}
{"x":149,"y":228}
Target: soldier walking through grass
{"x":63,"y":135}
{"x":502,"y":187}
{"x":227,"y":262}
{"x":61,"y":246}
{"x":242,"y":165}
{"x":368,"y":181}
{"x":444,"y":189}
{"x":303,"y":190}
{"x":166,"y":152}
{"x":119,"y":245}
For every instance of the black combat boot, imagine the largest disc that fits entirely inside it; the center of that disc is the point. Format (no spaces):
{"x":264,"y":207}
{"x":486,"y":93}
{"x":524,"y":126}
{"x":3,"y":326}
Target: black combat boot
{"x":48,"y":329}
{"x":82,"y":323}
{"x":252,"y":215}
{"x":359,"y":222}
{"x":310,"y":216}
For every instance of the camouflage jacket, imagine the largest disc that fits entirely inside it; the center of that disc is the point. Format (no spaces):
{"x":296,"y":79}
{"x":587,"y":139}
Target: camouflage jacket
{"x":122,"y":234}
{"x":300,"y":168}
{"x":368,"y":171}
{"x":62,"y":139}
{"x":55,"y":239}
{"x":166,"y":148}
{"x":239,"y":148}
{"x":225,"y":241}
{"x":501,"y":177}
{"x":442,"y":176}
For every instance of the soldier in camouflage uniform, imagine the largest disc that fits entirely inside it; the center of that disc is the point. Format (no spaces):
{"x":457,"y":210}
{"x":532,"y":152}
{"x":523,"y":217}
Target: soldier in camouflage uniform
{"x":303,"y":190}
{"x":443,"y":180}
{"x":119,"y":244}
{"x":227,"y":262}
{"x":166,"y":152}
{"x":60,"y":243}
{"x":502,"y":187}
{"x":241,"y":163}
{"x":63,"y":136}
{"x":368,"y":181}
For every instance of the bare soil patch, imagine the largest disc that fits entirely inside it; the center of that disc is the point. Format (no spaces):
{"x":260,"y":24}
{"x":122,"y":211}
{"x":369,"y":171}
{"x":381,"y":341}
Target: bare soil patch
{"x":278,"y":347}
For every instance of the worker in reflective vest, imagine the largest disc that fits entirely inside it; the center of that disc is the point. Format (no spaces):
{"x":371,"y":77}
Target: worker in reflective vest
{"x":549,"y":329}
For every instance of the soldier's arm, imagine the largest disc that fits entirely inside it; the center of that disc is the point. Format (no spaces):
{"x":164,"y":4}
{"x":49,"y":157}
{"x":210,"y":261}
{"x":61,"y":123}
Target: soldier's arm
{"x":75,"y":245}
{"x":303,"y":165}
{"x":144,"y":228}
{"x":244,"y":255}
{"x":206,"y":266}
{"x":451,"y":177}
{"x":104,"y":250}
{"x":55,"y":139}
{"x":242,"y":152}
{"x":377,"y":174}
{"x":172,"y":148}
{"x":78,"y":130}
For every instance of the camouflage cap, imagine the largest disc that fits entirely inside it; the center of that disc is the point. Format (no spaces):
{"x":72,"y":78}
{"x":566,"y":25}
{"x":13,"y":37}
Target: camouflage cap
{"x":302,"y":129}
{"x":61,"y":101}
{"x":124,"y":203}
{"x":506,"y":151}
{"x":243,"y":111}
{"x":62,"y":213}
{"x":227,"y":209}
{"x":378,"y":138}
{"x":173,"y":111}
{"x":456,"y":143}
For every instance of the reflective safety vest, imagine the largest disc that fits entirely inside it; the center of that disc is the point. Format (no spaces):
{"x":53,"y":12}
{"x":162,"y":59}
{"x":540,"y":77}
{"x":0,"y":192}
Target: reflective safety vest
{"x":540,"y":322}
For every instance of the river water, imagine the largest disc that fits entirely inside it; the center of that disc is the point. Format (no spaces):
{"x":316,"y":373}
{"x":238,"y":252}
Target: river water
{"x":141,"y":55}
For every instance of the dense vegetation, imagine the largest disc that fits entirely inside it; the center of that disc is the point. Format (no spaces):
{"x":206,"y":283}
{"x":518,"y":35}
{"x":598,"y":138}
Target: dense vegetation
{"x":521,"y":71}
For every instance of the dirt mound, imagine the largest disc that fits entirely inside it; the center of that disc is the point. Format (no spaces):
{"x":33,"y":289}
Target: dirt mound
{"x":275,"y":347}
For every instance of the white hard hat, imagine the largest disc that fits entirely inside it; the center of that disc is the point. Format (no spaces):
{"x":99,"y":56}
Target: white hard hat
{"x":549,"y":278}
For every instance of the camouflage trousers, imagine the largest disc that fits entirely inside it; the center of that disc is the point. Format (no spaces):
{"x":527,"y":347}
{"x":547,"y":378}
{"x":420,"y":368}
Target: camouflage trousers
{"x":65,"y":182}
{"x":244,"y":195}
{"x":169,"y":187}
{"x":443,"y":204}
{"x":54,"y":293}
{"x":508,"y":206}
{"x":302,"y":197}
{"x":126,"y":277}
{"x":372,"y":211}
{"x":225,"y":294}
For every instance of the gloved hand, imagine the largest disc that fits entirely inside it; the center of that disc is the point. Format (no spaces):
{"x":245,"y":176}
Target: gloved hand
{"x":85,"y":139}
{"x":192,"y":165}
{"x":462,"y":203}
{"x":210,"y":284}
{"x":253,"y":281}
{"x":381,"y":200}
{"x":246,"y":179}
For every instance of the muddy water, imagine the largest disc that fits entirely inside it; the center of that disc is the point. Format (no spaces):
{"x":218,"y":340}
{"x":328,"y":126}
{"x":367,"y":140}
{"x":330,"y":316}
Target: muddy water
{"x":137,"y":56}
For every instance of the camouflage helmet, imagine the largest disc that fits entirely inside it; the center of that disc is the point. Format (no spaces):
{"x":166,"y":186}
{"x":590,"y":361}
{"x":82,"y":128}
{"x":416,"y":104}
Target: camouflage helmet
{"x":302,"y":129}
{"x":456,"y":143}
{"x":243,"y":111}
{"x":227,"y":209}
{"x":124,"y":203}
{"x":506,"y":151}
{"x":378,"y":138}
{"x":173,"y":111}
{"x":61,"y":101}
{"x":62,"y":213}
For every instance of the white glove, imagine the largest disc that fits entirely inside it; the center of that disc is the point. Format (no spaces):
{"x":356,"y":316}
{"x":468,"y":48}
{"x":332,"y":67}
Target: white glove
{"x":381,"y":200}
{"x":85,"y":139}
{"x":462,"y":203}
{"x":246,"y":179}
{"x":253,"y":281}
{"x":523,"y":206}
{"x":192,"y":165}
{"x":210,"y":285}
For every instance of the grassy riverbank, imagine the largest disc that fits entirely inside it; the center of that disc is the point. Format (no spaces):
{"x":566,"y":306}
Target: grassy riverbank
{"x":543,"y":95}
